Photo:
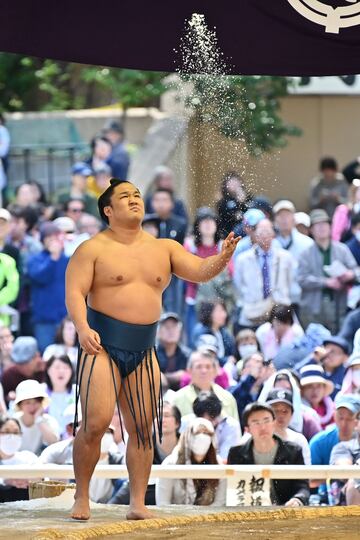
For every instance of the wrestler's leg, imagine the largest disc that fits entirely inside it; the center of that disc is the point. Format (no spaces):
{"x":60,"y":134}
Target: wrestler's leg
{"x":97,"y":412}
{"x":143,"y":386}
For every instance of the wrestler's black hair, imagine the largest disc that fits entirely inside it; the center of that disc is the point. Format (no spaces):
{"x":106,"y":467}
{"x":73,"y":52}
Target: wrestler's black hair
{"x":105,"y":198}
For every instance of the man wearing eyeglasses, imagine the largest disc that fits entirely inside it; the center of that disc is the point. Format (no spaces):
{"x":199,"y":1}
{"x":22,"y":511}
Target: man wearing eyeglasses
{"x":266,"y":448}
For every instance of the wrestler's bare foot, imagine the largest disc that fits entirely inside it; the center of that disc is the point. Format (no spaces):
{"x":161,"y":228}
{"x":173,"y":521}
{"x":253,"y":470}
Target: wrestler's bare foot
{"x":140,"y":512}
{"x":81,"y":509}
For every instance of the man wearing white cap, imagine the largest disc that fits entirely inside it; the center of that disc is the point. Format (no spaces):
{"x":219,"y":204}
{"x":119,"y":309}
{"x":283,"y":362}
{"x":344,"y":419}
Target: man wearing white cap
{"x":289,"y":238}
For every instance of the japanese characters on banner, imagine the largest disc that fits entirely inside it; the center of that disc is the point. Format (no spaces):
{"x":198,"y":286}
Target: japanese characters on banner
{"x":248,"y":490}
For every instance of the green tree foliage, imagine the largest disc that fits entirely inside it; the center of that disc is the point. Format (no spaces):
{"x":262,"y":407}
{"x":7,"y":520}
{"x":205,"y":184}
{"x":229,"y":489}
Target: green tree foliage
{"x":246,"y":108}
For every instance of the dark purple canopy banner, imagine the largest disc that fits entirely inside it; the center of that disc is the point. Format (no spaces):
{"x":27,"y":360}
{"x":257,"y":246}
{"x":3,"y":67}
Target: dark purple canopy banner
{"x":265,"y":37}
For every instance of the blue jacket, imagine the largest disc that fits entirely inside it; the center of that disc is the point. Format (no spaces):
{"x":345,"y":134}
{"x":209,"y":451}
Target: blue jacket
{"x":47,"y":278}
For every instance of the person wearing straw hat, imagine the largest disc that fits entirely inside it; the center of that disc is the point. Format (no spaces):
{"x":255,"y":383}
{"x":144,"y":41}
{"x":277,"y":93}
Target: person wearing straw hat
{"x":38,"y":428}
{"x":315,"y":392}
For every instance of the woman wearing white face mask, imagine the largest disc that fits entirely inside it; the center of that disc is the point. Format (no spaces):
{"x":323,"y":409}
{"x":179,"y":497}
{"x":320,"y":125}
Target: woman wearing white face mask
{"x":10,"y":454}
{"x":196,"y":447}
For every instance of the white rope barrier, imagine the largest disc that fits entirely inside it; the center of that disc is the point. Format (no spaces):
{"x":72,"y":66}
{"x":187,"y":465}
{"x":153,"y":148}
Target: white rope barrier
{"x":278,"y":472}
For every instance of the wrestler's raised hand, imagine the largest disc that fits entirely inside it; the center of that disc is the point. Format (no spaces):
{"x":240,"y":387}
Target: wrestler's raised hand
{"x":90,"y":341}
{"x":229,"y":245}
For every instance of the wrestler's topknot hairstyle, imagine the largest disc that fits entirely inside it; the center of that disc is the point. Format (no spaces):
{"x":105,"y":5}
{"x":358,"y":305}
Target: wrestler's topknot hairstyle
{"x":105,"y":198}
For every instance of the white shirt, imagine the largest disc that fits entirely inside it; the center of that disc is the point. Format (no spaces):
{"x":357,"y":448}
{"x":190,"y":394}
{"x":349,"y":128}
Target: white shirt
{"x":31,"y":435}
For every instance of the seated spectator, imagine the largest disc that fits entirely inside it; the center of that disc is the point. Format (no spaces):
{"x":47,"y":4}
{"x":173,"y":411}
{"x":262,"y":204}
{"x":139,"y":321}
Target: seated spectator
{"x":9,"y":287}
{"x":266,"y":448}
{"x":28,"y":364}
{"x":246,"y":343}
{"x":25,"y":195}
{"x":348,"y":453}
{"x":88,"y":225}
{"x":212,"y":320}
{"x":304,"y":419}
{"x":334,"y":361}
{"x":202,"y":367}
{"x":80,"y":172}
{"x":59,"y":378}
{"x":321,"y":445}
{"x":324,"y":296}
{"x":172,"y":354}
{"x":6,"y":345}
{"x":38,"y":428}
{"x":281,"y":402}
{"x":101,"y":149}
{"x":61,"y":452}
{"x":119,"y":159}
{"x":316,"y":391}
{"x":279,"y":331}
{"x":170,"y":438}
{"x":10,"y":454}
{"x":5,"y":246}
{"x":3,"y":408}
{"x":227,"y":429}
{"x":205,"y":242}
{"x":329,"y":189}
{"x":253,"y":374}
{"x":150,"y":224}
{"x":100,"y":180}
{"x":47,"y":282}
{"x":74,"y":209}
{"x":163,"y":177}
{"x":263,"y":277}
{"x":354,"y":243}
{"x":196,"y":446}
{"x":302,"y":223}
{"x":350,"y":326}
{"x":351,"y":382}
{"x":65,"y":342}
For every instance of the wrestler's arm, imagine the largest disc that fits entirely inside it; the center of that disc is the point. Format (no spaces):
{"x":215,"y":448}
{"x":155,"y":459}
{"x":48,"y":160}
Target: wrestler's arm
{"x":79,"y":278}
{"x":190,"y":267}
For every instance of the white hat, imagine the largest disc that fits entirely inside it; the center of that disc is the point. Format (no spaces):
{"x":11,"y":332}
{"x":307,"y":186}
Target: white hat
{"x":65,"y":224}
{"x":353,"y":360}
{"x":5,"y":214}
{"x":314,"y":374}
{"x":30,"y":389}
{"x":284,"y":205}
{"x":302,"y":218}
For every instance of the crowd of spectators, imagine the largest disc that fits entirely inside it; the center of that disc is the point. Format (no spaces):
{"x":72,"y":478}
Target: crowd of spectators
{"x":259,"y":366}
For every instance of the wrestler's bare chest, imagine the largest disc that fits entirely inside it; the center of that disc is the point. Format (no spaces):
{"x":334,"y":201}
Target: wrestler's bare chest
{"x":147,"y":263}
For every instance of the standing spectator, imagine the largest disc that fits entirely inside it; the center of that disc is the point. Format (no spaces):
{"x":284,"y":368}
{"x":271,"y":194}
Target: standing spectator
{"x":101,"y":149}
{"x":354,"y":243}
{"x":281,"y":330}
{"x":47,"y":275}
{"x":203,"y":368}
{"x":316,"y":391}
{"x":335,"y":360}
{"x":212,"y":320}
{"x":266,"y":448}
{"x":321,"y":445}
{"x":281,"y":402}
{"x":119,"y":159}
{"x":65,"y":342}
{"x":263,"y":276}
{"x":4,"y":154}
{"x":59,"y":378}
{"x":27,"y":364}
{"x":9,"y":287}
{"x":173,"y":228}
{"x":232,"y":205}
{"x":352,"y":170}
{"x":6,"y":246}
{"x":206,"y":242}
{"x":251,"y":218}
{"x":344,"y":213}
{"x":324,"y":296}
{"x":329,"y":189}
{"x":173,"y":356}
{"x":10,"y":454}
{"x":38,"y":428}
{"x":80,"y":172}
{"x":163,"y":177}
{"x":289,"y":238}
{"x":196,"y":446}
{"x":100,"y":180}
